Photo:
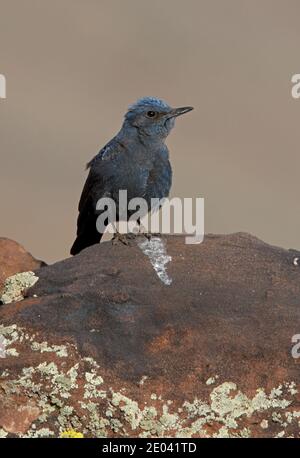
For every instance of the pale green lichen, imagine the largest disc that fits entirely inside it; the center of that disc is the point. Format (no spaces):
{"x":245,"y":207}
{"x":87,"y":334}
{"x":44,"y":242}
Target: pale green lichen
{"x":168,"y":420}
{"x":130,"y":409}
{"x":14,"y":334}
{"x":15,"y":285}
{"x":228,"y":405}
{"x":63,"y":418}
{"x":143,"y":379}
{"x":7,"y":330}
{"x":264,"y":424}
{"x":48,"y":369}
{"x":291,"y":387}
{"x":115,"y":425}
{"x":11,"y":334}
{"x":276,"y":417}
{"x":290,"y":416}
{"x":211,"y":380}
{"x":78,"y":398}
{"x":3,"y":433}
{"x":91,"y":389}
{"x":42,"y":432}
{"x":110,"y":411}
{"x":11,"y":352}
{"x":148,"y":419}
{"x":60,"y":350}
{"x":96,"y":425}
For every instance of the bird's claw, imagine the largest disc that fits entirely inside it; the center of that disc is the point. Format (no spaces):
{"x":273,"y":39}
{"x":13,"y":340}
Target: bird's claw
{"x":149,"y":235}
{"x":122,"y":238}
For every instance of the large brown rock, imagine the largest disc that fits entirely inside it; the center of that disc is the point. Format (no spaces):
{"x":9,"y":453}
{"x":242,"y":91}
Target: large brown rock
{"x":107,"y":346}
{"x":14,"y":258}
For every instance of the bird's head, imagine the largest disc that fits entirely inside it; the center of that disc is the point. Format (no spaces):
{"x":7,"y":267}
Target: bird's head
{"x":153,"y":117}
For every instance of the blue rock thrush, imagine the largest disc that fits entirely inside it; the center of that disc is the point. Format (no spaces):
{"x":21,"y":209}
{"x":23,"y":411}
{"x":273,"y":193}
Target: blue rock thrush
{"x":136,"y":160}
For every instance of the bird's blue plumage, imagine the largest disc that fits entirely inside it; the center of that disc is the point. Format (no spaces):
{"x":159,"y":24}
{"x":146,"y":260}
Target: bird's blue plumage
{"x":152,"y":102}
{"x":136,"y":159}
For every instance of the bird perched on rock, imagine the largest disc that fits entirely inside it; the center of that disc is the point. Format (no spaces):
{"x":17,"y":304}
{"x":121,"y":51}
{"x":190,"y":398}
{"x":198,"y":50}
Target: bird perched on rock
{"x":136,"y":160}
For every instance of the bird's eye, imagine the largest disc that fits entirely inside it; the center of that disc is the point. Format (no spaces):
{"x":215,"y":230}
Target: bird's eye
{"x":151,"y":114}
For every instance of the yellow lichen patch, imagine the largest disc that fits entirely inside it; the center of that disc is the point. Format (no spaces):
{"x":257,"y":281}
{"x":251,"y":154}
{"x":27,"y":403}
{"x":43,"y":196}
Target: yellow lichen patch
{"x":71,"y":434}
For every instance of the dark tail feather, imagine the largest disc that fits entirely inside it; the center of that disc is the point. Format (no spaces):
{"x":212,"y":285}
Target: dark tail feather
{"x":83,"y":241}
{"x":87,"y":235}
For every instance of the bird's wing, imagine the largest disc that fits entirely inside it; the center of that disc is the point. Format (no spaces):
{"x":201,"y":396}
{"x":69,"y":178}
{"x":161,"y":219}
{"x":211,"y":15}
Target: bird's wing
{"x":99,"y":172}
{"x":102,"y":167}
{"x":107,"y":153}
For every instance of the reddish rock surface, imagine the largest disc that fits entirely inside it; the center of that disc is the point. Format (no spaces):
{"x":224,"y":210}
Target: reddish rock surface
{"x":106,"y":347}
{"x":14,"y":258}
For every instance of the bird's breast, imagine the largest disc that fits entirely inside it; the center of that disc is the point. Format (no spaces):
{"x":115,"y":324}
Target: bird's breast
{"x":144,"y":174}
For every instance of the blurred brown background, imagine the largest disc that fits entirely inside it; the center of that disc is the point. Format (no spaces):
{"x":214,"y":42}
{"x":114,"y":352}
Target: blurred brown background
{"x":73,"y":66}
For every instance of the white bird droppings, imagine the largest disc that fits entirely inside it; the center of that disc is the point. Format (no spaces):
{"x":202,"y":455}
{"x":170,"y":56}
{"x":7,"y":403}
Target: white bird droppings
{"x":156,"y":251}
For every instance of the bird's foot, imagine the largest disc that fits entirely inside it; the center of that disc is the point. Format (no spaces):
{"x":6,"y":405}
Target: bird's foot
{"x":149,"y":235}
{"x":123,"y":238}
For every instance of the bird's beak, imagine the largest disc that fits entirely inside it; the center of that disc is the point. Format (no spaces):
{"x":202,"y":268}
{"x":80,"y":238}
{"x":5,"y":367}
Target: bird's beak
{"x":179,"y":111}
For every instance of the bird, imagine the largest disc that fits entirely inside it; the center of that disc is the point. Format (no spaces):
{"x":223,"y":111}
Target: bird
{"x":135,"y":160}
